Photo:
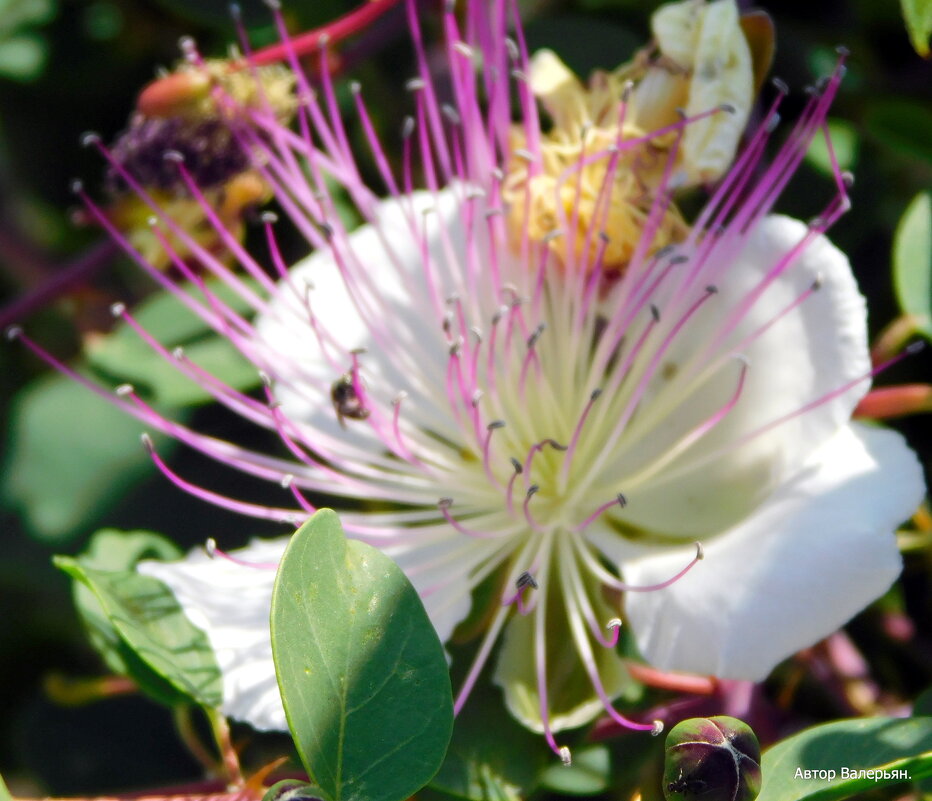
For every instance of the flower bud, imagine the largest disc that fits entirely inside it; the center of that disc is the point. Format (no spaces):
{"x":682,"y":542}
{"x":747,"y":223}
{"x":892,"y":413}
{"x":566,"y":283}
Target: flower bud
{"x":711,"y":759}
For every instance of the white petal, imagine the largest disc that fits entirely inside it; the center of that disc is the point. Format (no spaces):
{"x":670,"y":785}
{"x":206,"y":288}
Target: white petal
{"x":231,"y":603}
{"x":806,"y":354}
{"x":391,"y":259}
{"x":440,"y":572}
{"x":818,"y":551}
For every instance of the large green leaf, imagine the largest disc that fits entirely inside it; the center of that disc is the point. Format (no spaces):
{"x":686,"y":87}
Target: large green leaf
{"x":885,"y":744}
{"x":70,"y":454}
{"x":912,"y":262}
{"x":123,"y":357}
{"x":361,"y":670}
{"x":158,"y":645}
{"x":918,"y":16}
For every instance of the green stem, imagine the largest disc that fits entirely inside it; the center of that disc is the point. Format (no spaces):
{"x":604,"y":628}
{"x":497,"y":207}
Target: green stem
{"x":185,"y":726}
{"x":228,"y":755}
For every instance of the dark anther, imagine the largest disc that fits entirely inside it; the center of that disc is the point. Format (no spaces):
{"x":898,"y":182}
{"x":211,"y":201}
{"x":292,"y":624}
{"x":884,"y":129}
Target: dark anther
{"x":495,"y":424}
{"x":596,"y":394}
{"x":532,"y":339}
{"x":780,"y":85}
{"x":655,"y":313}
{"x":445,"y":503}
{"x":517,"y":466}
{"x":622,"y":500}
{"x":712,"y":289}
{"x":532,"y":491}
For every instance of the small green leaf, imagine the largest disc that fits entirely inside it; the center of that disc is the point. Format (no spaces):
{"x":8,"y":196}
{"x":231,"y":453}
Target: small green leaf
{"x":123,"y":357}
{"x":114,"y":550}
{"x":918,"y":17}
{"x":844,"y":138}
{"x":4,"y":792}
{"x":891,"y":744}
{"x":155,"y":635}
{"x":70,"y":454}
{"x":361,"y":670}
{"x":590,"y":773}
{"x":912,"y":262}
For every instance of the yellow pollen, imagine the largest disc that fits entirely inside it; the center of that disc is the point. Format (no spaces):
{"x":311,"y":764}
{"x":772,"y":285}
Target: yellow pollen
{"x":582,"y":199}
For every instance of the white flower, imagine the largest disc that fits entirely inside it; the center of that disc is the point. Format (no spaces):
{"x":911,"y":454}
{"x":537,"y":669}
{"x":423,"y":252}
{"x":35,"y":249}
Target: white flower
{"x":502,"y":404}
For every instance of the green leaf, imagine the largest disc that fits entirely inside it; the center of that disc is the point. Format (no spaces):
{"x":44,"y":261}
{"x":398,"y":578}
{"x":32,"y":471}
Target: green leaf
{"x":361,"y":670}
{"x":912,"y":262}
{"x":22,"y":57}
{"x":124,"y":357}
{"x":922,"y":706}
{"x":4,"y":792}
{"x":875,"y":743}
{"x":902,"y":126}
{"x":918,"y":17}
{"x":114,"y":550}
{"x":21,"y":13}
{"x":589,"y":774}
{"x":155,"y":635}
{"x":844,"y":138}
{"x":491,"y":757}
{"x":70,"y":454}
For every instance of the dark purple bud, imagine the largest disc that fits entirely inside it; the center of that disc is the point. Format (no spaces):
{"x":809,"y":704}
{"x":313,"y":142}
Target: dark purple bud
{"x":711,"y":759}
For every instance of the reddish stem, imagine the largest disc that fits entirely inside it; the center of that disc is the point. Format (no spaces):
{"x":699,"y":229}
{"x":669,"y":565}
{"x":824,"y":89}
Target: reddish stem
{"x":307,"y":43}
{"x":888,"y":402}
{"x":676,"y":682}
{"x":70,"y":276}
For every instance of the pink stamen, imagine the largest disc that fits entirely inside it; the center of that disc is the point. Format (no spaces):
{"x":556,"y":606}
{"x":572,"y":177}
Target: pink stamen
{"x":531,"y":492}
{"x":444,"y":505}
{"x":210,"y":546}
{"x":577,"y":432}
{"x":619,"y":501}
{"x":286,"y":516}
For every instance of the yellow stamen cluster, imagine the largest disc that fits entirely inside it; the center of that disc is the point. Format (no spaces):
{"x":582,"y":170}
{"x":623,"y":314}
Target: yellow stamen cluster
{"x":700,"y":61}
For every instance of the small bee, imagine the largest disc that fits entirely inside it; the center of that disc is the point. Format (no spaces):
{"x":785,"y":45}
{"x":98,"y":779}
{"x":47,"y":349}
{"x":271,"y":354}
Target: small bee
{"x":346,"y":402}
